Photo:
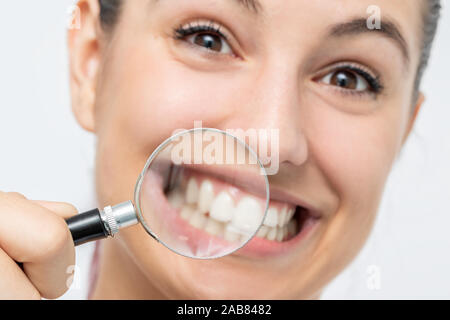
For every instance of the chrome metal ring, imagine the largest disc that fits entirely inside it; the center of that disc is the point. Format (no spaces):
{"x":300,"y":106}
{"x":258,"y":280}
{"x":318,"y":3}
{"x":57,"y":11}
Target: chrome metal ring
{"x":111,"y":221}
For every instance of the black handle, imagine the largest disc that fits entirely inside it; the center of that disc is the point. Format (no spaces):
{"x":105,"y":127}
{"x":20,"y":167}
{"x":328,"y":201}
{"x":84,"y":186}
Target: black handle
{"x":86,"y":227}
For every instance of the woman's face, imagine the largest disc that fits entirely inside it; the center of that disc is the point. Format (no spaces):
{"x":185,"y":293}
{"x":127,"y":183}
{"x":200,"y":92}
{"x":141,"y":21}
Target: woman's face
{"x":339,"y":92}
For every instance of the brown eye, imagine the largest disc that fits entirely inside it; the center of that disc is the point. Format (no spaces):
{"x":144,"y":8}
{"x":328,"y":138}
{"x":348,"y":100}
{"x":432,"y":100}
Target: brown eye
{"x":347,"y":80}
{"x":344,"y":79}
{"x":209,"y":41}
{"x":208,"y":35}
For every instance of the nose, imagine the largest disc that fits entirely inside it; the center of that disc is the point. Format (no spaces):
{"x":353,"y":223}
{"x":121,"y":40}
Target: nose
{"x":273,"y":103}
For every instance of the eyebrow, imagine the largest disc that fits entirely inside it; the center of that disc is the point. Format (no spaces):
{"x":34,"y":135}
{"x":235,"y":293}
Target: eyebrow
{"x":358,"y":26}
{"x":253,"y":6}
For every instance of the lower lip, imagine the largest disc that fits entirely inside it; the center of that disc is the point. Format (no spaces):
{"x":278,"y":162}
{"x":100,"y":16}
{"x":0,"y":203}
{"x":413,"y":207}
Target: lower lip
{"x":175,"y":228}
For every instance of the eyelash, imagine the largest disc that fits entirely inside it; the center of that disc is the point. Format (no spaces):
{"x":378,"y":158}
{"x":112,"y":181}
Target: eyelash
{"x":375,"y":86}
{"x":374,"y":82}
{"x":183,"y":31}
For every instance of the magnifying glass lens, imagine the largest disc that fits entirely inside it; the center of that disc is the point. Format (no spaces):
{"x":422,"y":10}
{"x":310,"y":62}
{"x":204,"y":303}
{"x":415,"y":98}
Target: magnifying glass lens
{"x":203,"y":194}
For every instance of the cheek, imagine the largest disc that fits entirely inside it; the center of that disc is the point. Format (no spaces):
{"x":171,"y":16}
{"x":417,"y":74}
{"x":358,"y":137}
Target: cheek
{"x":356,"y":152}
{"x":162,"y":95}
{"x":146,"y":96}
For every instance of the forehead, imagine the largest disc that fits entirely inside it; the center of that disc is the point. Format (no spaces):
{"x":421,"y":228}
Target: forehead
{"x":403,"y":9}
{"x":306,"y":15}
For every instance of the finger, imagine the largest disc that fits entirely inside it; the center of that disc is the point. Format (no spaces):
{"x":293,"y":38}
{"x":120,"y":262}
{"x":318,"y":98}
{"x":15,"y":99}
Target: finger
{"x":14,"y":283}
{"x":38,"y":238}
{"x":64,"y":210}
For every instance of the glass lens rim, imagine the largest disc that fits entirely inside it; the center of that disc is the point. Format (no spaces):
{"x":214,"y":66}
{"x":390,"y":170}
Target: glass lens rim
{"x":138,"y":187}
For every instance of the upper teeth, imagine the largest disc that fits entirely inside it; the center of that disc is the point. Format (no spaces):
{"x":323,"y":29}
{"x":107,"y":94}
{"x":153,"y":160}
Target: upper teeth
{"x":206,"y":196}
{"x":222,"y":207}
{"x":192,"y":192}
{"x":227,"y":220}
{"x":271,"y":219}
{"x":247,"y":215}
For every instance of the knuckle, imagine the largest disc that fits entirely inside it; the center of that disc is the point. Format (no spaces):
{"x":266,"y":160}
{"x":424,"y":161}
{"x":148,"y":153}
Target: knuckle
{"x":11,"y":200}
{"x":10,"y":196}
{"x":15,"y":195}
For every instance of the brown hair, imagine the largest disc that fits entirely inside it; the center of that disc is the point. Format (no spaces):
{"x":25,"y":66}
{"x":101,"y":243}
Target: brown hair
{"x":430,"y":18}
{"x":109,"y":12}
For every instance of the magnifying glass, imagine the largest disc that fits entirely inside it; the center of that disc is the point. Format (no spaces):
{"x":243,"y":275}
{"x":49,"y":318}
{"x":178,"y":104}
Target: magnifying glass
{"x":203,"y":193}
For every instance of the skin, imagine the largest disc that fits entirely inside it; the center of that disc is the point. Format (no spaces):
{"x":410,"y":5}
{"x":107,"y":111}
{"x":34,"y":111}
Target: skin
{"x":34,"y":234}
{"x":133,"y":87}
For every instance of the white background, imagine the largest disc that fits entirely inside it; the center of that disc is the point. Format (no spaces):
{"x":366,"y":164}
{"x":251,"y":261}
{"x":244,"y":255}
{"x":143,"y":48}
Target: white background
{"x":45,"y":155}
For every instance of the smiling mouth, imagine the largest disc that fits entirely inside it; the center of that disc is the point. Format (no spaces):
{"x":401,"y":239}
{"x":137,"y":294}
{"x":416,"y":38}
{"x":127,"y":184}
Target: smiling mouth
{"x":212,"y":205}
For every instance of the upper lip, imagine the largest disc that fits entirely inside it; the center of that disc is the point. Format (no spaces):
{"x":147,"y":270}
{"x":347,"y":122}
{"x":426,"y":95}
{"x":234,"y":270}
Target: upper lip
{"x":243,"y":178}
